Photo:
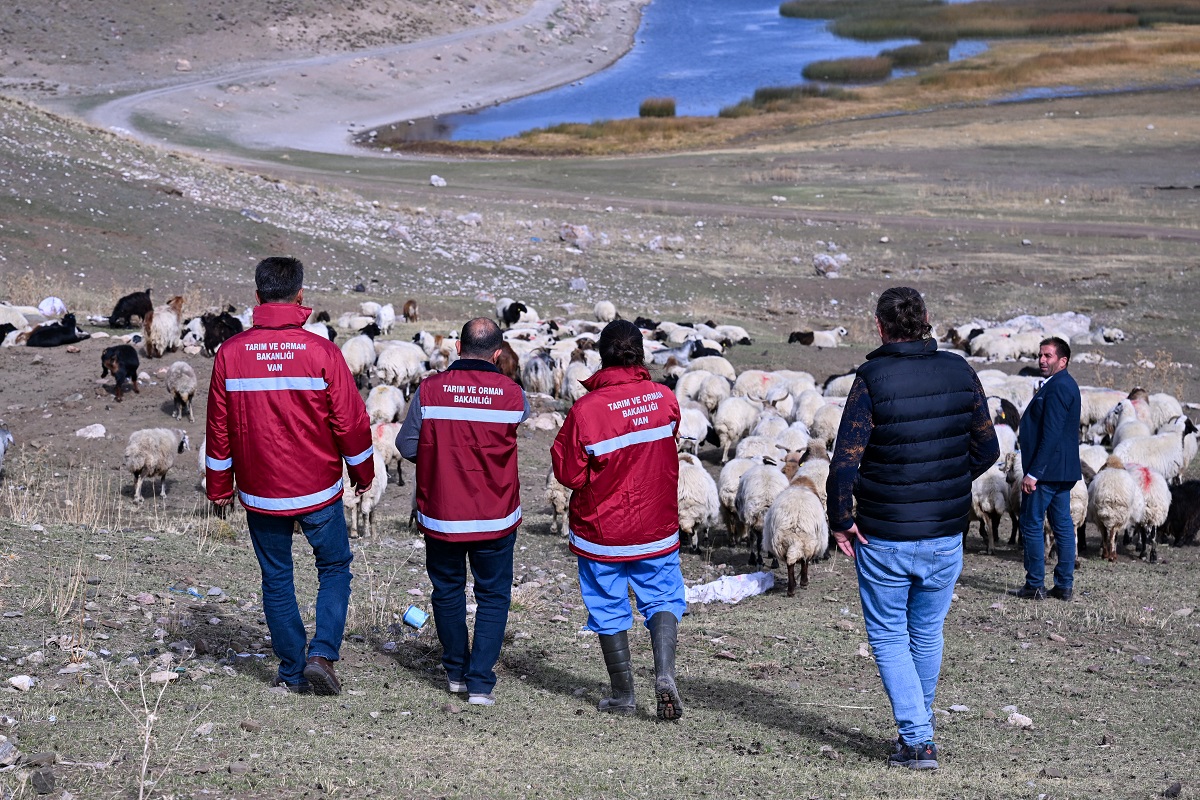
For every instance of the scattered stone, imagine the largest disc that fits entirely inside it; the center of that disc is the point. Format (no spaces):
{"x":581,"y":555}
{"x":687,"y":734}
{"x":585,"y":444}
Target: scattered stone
{"x":450,"y":708}
{"x":1009,"y":709}
{"x":728,"y":656}
{"x":23,"y":683}
{"x":1173,"y":790}
{"x":864,"y":651}
{"x":559,"y":618}
{"x":830,"y":753}
{"x":1142,"y":660}
{"x":8,"y":754}
{"x":183,"y":65}
{"x":250,"y":725}
{"x":71,"y":669}
{"x":1094,"y":668}
{"x":13,"y":614}
{"x":884,"y":239}
{"x":845,"y":624}
{"x":192,"y":350}
{"x":42,"y":760}
{"x":163,"y":676}
{"x":577,"y":285}
{"x":437,"y":180}
{"x":204,"y":729}
{"x":576,"y":235}
{"x":1181,"y":612}
{"x":960,"y":709}
{"x":1020,"y":721}
{"x":146,"y":599}
{"x":997,"y":606}
{"x":1107,"y":740}
{"x":1054,"y":637}
{"x":472,"y":220}
{"x":238,"y":768}
{"x":42,"y":780}
{"x":95,"y":431}
{"x":215,"y":591}
{"x":1052,"y":772}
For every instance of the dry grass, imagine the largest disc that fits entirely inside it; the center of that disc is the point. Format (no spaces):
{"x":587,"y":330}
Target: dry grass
{"x":918,"y":55}
{"x":849,"y":70}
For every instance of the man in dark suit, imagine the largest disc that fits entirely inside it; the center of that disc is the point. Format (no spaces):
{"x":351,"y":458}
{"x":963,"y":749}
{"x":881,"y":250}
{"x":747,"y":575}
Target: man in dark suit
{"x":1049,"y":442}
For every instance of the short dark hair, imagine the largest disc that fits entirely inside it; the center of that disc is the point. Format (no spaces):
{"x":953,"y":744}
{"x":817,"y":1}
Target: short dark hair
{"x":480,"y":338}
{"x":1061,"y":348}
{"x":278,"y":279}
{"x":621,"y":345}
{"x":902,"y":315}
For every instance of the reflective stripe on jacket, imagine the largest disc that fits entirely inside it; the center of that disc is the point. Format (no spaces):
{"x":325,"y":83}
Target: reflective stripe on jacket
{"x":467,"y":484}
{"x":617,"y":451}
{"x":283,"y":413}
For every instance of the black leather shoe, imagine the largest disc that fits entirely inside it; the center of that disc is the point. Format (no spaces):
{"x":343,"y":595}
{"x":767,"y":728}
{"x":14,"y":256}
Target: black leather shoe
{"x":318,"y":671}
{"x":1061,"y":594}
{"x":1029,"y":593}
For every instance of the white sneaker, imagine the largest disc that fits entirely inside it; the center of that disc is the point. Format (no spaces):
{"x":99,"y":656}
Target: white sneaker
{"x":481,"y":700}
{"x":454,"y":687}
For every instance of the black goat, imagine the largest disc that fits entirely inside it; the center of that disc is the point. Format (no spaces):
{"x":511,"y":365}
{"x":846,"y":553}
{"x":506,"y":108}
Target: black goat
{"x":218,"y":328}
{"x":1183,"y":520}
{"x":131,"y":305}
{"x":122,"y":361}
{"x":56,"y":334}
{"x":512,"y":313}
{"x":645,"y":323}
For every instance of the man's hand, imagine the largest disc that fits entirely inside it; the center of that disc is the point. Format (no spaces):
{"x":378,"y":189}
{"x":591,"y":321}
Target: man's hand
{"x":1028,"y":484}
{"x":361,"y":490}
{"x":845,"y":543}
{"x":224,"y":501}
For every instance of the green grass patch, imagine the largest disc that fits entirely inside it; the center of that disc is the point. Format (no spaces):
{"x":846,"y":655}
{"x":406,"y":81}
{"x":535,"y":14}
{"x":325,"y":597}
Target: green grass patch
{"x":849,"y":70}
{"x":657,"y":107}
{"x":918,"y":55}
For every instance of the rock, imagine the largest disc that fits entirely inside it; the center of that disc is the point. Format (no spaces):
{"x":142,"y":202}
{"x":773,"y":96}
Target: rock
{"x":42,"y":780}
{"x":71,"y":669}
{"x":8,"y":754}
{"x":22,"y":683}
{"x":960,"y":709}
{"x":1054,"y":637}
{"x":215,"y":591}
{"x":1020,"y":721}
{"x":41,"y":760}
{"x":864,"y":651}
{"x":183,"y":65}
{"x":830,"y":753}
{"x":13,"y":614}
{"x":1094,"y":668}
{"x":577,"y":235}
{"x":95,"y":431}
{"x":192,"y":350}
{"x":163,"y":676}
{"x":1026,"y":243}
{"x":238,"y":768}
{"x":1107,"y":740}
{"x":205,"y":729}
{"x":250,"y":725}
{"x":1173,"y":790}
{"x":824,"y":263}
{"x":72,"y":348}
{"x":437,"y":180}
{"x":145,"y":598}
{"x":450,"y":708}
{"x":1142,"y":660}
{"x":559,"y":618}
{"x":1052,"y":772}
{"x":472,"y":220}
{"x":728,"y":656}
{"x":884,"y":239}
{"x":1009,"y":709}
{"x":577,"y":285}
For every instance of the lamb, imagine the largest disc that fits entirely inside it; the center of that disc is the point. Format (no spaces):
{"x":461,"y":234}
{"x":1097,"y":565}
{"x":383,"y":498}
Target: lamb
{"x":698,"y":501}
{"x":559,"y":498}
{"x":385,"y":404}
{"x":1168,"y":453}
{"x":6,"y":439}
{"x":537,"y":374}
{"x":122,"y":361}
{"x":383,"y":439}
{"x":989,"y":500}
{"x":727,"y":486}
{"x":151,"y":453}
{"x":181,"y":383}
{"x":385,"y":317}
{"x":360,"y":508}
{"x":693,"y":429}
{"x":796,"y":529}
{"x":162,"y":327}
{"x":510,"y":312}
{"x":734,"y":418}
{"x":132,"y":305}
{"x":605,"y":311}
{"x":1157,"y":496}
{"x":401,"y":364}
{"x":411,"y":313}
{"x":359,"y":352}
{"x":757,"y":490}
{"x":819,"y":339}
{"x":1115,"y":504}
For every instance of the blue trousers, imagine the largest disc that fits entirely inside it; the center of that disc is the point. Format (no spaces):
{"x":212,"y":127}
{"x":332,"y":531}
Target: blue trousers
{"x":657,"y":584}
{"x":1052,"y":498}
{"x":325,"y":530}
{"x":905,"y":589}
{"x":492,"y":566}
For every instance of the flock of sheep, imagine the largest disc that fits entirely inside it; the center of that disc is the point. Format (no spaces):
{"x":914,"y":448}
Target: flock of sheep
{"x":779,"y":426}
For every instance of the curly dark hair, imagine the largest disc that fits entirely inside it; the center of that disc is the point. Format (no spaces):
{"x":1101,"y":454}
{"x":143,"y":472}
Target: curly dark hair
{"x":621,"y":345}
{"x":902,"y":315}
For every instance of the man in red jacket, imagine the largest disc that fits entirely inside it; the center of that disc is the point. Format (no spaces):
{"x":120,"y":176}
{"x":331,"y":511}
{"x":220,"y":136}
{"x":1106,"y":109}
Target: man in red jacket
{"x":617,"y":451}
{"x":461,"y":430}
{"x":283,"y":414}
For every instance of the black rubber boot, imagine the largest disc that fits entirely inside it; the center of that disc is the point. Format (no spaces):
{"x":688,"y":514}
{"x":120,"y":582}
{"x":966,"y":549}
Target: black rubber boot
{"x":620,"y":674}
{"x":664,"y":634}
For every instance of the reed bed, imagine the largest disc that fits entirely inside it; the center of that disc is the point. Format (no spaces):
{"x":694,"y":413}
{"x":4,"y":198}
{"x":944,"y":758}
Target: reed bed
{"x":850,"y":70}
{"x":657,"y":107}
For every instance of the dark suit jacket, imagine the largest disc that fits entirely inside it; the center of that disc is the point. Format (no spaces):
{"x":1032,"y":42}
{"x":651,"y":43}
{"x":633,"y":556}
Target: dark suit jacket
{"x":1049,"y":435}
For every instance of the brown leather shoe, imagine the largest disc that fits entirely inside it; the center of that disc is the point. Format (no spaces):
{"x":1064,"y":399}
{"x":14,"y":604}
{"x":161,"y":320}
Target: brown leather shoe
{"x":318,"y":671}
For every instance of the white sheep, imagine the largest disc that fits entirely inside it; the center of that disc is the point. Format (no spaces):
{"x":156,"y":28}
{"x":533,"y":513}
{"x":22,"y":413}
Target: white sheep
{"x":383,"y":439}
{"x":795,"y":438}
{"x":359,"y":352}
{"x":1168,"y":453}
{"x":401,"y":364}
{"x":769,"y":424}
{"x":1115,"y":504}
{"x":755,"y":383}
{"x":759,"y":446}
{"x":385,"y":404}
{"x":163,"y":327}
{"x":537,"y":373}
{"x":825,"y":424}
{"x":713,"y":390}
{"x":559,"y":498}
{"x":181,"y":383}
{"x":605,"y":311}
{"x":369,"y":308}
{"x":796,"y":529}
{"x":1092,"y":457}
{"x":717,"y":365}
{"x":385,"y":317}
{"x":1095,"y":403}
{"x":1130,"y":429}
{"x":727,"y":486}
{"x":757,"y":490}
{"x":574,"y":375}
{"x":731,"y":335}
{"x":698,"y":501}
{"x":814,"y":464}
{"x":355,"y":322}
{"x":820,"y":339}
{"x":1006,"y":437}
{"x":689,"y":383}
{"x":1157,"y":497}
{"x":734,"y":418}
{"x":989,"y":501}
{"x":693,"y":428}
{"x":806,"y":405}
{"x":360,"y":508}
{"x":150,"y":454}
{"x":6,"y":439}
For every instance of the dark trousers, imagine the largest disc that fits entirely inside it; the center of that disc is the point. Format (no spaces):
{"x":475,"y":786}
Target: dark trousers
{"x":492,"y":567}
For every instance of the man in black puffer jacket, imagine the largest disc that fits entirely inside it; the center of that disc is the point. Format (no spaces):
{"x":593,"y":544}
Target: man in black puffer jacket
{"x":914,"y":434}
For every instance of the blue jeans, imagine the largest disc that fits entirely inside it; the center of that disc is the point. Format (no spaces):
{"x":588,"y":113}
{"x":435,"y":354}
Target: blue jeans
{"x":657,"y":585}
{"x":1052,"y":498}
{"x":492,"y":566}
{"x":905,"y":589}
{"x":325,"y":530}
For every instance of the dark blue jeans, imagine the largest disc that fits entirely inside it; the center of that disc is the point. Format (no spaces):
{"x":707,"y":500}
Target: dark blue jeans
{"x":325,"y":530}
{"x":492,"y":566}
{"x":1052,"y":498}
